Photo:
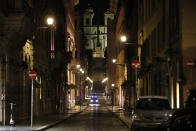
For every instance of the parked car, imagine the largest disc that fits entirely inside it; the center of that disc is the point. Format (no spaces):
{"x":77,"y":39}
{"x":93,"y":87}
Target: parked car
{"x":150,"y":112}
{"x":183,"y":119}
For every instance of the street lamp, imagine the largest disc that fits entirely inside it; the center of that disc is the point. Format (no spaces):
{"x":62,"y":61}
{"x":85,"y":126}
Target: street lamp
{"x":124,"y":78}
{"x":80,"y":89}
{"x":78,"y":66}
{"x":91,"y":84}
{"x":135,"y":64}
{"x":89,"y":79}
{"x":123,"y":39}
{"x":50,"y":21}
{"x":121,"y":64}
{"x":104,"y":80}
{"x":113,"y":60}
{"x":81,"y":70}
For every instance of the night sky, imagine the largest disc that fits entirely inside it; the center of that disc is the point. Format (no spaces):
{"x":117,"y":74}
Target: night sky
{"x":99,"y":6}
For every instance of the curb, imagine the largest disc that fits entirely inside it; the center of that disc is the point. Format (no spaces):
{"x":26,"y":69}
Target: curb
{"x":116,"y":115}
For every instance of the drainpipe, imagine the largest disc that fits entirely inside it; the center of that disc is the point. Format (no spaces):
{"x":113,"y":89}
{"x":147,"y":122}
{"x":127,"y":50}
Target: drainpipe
{"x":180,"y":62}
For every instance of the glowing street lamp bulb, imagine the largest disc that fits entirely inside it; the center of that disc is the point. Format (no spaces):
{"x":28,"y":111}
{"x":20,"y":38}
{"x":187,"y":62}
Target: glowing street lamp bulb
{"x":113,"y":60}
{"x":123,"y":38}
{"x":104,"y":80}
{"x":50,"y":21}
{"x":78,"y":66}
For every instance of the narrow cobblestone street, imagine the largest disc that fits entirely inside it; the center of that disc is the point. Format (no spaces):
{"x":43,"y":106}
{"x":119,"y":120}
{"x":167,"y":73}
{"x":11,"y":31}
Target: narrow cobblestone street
{"x":95,"y":118}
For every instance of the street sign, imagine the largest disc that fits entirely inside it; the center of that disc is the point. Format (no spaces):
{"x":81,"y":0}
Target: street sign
{"x":32,"y":75}
{"x":190,"y":63}
{"x":135,"y":64}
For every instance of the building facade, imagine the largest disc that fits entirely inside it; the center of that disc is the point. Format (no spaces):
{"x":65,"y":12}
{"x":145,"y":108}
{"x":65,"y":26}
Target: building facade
{"x":16,"y":59}
{"x":163,"y":57}
{"x":28,"y":43}
{"x":96,"y":35}
{"x":121,"y":76}
{"x":164,"y":45}
{"x":187,"y":40}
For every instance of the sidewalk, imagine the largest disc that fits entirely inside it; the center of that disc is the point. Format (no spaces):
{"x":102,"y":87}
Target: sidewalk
{"x":123,"y":115}
{"x":44,"y":122}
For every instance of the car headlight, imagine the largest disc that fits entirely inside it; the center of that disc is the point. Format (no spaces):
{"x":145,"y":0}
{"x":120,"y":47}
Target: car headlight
{"x":136,"y":117}
{"x":168,"y":115}
{"x":91,"y":100}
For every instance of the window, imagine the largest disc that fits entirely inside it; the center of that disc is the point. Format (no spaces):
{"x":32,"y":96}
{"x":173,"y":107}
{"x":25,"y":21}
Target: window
{"x":153,"y":36}
{"x":108,"y":19}
{"x":141,"y":2}
{"x":153,"y":104}
{"x":76,"y":24}
{"x":52,"y":44}
{"x":87,"y":21}
{"x":159,"y":37}
{"x":29,"y":59}
{"x":10,"y":4}
{"x":26,"y":58}
{"x":153,"y":5}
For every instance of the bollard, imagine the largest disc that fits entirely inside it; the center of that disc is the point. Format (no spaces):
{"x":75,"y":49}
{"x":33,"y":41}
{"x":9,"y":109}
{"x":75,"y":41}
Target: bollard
{"x":11,"y":122}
